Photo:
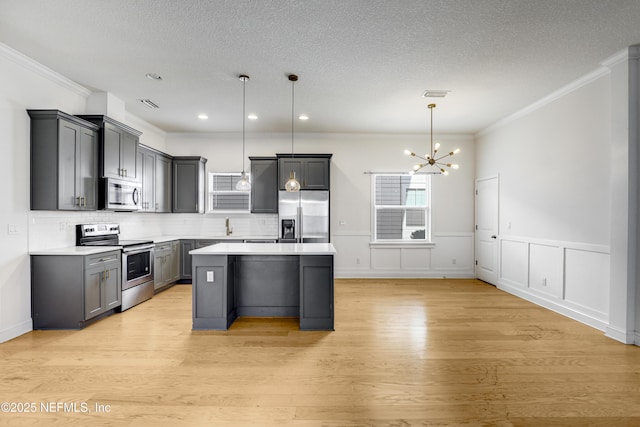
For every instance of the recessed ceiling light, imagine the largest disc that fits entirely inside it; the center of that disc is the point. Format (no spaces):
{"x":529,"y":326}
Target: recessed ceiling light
{"x":252,"y":117}
{"x":303,"y":117}
{"x":203,"y":116}
{"x":153,"y":76}
{"x":435,"y":93}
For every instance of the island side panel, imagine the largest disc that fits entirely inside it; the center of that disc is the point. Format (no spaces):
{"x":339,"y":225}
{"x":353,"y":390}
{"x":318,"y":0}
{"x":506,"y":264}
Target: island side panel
{"x":268,"y":285}
{"x":211,"y":302}
{"x":316,"y":292}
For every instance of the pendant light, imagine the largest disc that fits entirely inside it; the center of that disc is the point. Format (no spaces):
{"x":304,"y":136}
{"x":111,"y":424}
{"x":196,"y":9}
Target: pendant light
{"x":243,"y":184}
{"x":431,"y":158}
{"x":292,"y":184}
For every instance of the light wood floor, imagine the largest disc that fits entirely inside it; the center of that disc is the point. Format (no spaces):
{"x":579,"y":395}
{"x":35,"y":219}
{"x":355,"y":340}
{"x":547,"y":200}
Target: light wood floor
{"x":404,"y":353}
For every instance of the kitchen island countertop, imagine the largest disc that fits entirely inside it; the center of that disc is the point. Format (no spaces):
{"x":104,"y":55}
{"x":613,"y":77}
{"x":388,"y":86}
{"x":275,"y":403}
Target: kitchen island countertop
{"x":266,"y":249}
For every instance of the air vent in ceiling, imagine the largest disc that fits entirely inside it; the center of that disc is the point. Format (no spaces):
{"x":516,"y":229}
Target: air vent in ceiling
{"x":149,"y":103}
{"x":432,"y":93}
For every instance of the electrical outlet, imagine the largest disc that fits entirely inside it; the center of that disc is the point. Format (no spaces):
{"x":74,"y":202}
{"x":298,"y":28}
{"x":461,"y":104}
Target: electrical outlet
{"x":454,"y":261}
{"x":12,"y":229}
{"x":544,"y":281}
{"x":357,"y":260}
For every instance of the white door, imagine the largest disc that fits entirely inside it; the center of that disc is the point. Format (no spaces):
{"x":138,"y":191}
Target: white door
{"x":486,"y":236}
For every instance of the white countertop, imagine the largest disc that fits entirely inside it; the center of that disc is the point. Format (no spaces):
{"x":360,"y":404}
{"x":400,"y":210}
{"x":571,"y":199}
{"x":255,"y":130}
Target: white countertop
{"x":267,"y":249}
{"x":163,"y":239}
{"x":91,"y":250}
{"x":76,"y":250}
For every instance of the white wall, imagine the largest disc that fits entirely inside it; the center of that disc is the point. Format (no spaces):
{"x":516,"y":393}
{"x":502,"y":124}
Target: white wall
{"x":23,"y":85}
{"x":353,"y":155}
{"x":565,"y":200}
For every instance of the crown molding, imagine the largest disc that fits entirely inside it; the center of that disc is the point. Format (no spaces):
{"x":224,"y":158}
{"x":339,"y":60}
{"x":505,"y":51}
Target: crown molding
{"x":553,"y":96}
{"x":36,"y":67}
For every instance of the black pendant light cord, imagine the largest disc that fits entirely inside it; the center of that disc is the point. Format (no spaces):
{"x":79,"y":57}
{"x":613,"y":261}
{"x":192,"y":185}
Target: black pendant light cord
{"x":292,"y":78}
{"x":244,"y":102}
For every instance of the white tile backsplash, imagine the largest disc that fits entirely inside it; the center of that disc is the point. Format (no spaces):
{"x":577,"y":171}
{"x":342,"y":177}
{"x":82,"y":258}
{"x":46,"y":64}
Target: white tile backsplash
{"x":53,"y":229}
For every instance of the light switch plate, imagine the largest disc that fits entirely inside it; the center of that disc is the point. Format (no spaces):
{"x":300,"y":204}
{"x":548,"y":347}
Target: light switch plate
{"x":209,"y":276}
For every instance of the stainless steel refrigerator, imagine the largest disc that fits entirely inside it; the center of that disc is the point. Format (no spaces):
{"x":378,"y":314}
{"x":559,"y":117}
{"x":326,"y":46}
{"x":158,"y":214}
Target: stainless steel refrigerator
{"x":310,"y":211}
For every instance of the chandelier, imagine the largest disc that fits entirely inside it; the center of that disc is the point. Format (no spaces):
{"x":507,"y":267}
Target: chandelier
{"x":431,"y":158}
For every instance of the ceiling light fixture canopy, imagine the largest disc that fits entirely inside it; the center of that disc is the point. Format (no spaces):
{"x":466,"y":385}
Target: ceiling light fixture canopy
{"x":431,"y":158}
{"x":243,"y":184}
{"x":292,"y":184}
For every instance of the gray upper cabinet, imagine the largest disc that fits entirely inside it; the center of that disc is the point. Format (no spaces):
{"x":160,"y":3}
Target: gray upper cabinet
{"x":118,"y":148}
{"x":147,"y":168}
{"x":264,"y":184}
{"x":189,"y":184}
{"x":312,"y":170}
{"x":163,"y":183}
{"x":155,"y":173}
{"x":64,"y":161}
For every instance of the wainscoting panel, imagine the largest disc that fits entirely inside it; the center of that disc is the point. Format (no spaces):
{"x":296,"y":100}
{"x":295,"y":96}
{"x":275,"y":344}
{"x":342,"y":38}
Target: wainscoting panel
{"x":453,"y":252}
{"x":545,"y":269}
{"x":450,"y":255}
{"x":386,"y":259}
{"x":571,"y":278}
{"x":514,"y":262}
{"x":352,"y":252}
{"x":415,"y":258}
{"x":587,"y":281}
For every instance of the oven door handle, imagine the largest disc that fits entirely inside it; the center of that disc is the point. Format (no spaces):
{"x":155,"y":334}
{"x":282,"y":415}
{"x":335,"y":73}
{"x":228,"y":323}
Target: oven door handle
{"x":137,"y":249}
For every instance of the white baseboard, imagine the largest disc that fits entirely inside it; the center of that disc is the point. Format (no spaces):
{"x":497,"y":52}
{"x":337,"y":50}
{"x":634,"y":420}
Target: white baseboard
{"x":556,"y":306}
{"x":16,"y":330}
{"x":400,"y":274}
{"x":625,"y":337}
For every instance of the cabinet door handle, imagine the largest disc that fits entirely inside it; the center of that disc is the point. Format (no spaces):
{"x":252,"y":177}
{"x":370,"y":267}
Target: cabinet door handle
{"x":77,"y":201}
{"x":84,"y":203}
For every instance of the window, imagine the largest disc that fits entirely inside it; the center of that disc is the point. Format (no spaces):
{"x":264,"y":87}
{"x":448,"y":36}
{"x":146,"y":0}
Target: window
{"x":223,"y":196}
{"x":401,"y":207}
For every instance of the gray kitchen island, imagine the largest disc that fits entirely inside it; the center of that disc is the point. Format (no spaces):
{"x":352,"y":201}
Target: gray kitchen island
{"x":231,"y":280}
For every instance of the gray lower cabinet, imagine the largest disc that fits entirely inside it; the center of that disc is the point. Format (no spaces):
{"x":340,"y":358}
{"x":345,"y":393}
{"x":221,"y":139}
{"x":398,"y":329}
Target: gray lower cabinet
{"x":185,"y":258}
{"x":214,"y":296}
{"x":68,"y":291}
{"x":264,"y":184}
{"x":189,"y":184}
{"x":175,"y":261}
{"x":228,"y":286}
{"x":163,"y":265}
{"x":316,"y":292}
{"x":64,"y":161}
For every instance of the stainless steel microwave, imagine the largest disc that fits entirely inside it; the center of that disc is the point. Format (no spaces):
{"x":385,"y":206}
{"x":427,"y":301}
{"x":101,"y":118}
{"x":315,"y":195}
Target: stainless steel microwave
{"x":117,"y":195}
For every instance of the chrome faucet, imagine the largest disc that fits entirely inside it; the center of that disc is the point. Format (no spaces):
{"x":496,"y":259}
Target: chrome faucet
{"x":227,"y":224}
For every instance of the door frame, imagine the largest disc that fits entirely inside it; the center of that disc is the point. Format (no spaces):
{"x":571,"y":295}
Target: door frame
{"x":475,"y":234}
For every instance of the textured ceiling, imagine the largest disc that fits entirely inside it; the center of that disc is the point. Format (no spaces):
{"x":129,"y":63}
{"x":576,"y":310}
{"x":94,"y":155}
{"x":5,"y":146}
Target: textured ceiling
{"x":363,"y":64}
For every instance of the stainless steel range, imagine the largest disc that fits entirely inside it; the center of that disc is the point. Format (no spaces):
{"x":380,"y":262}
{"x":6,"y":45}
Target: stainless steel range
{"x":137,"y":260}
